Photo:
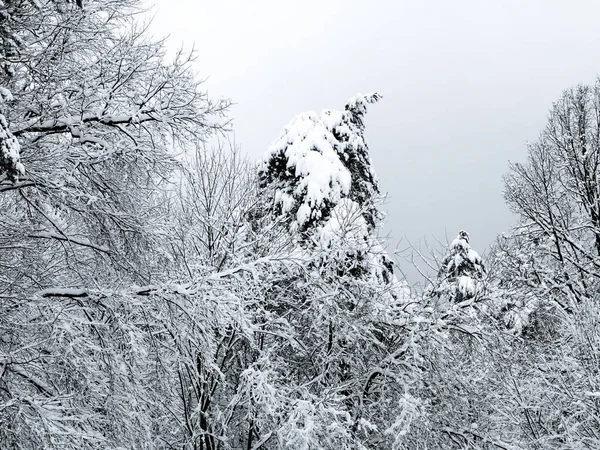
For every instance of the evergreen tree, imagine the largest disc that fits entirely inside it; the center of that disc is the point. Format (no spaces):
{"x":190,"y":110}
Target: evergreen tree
{"x":317,"y":179}
{"x":460,"y":270}
{"x":333,"y":372}
{"x":316,"y":162}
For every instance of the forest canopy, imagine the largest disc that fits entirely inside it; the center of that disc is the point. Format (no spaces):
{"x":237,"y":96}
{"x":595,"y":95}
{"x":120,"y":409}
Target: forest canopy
{"x":158,"y":290}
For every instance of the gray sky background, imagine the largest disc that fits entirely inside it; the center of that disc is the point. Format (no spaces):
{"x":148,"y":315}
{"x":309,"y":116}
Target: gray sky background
{"x":465,"y":85}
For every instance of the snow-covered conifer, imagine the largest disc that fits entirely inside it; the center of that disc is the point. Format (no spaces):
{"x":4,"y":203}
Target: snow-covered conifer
{"x":10,"y":161}
{"x":460,"y":271}
{"x":318,"y":179}
{"x":317,"y":161}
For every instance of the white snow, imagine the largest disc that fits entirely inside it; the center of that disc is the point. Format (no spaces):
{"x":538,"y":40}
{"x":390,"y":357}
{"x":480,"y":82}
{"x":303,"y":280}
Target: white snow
{"x":308,"y":146}
{"x":466,"y":286}
{"x":63,"y":292}
{"x":5,"y":95}
{"x":313,"y":152}
{"x":285,"y":200}
{"x":473,"y":256}
{"x":9,"y":150}
{"x":460,"y":243}
{"x":346,"y":222}
{"x":462,"y":269}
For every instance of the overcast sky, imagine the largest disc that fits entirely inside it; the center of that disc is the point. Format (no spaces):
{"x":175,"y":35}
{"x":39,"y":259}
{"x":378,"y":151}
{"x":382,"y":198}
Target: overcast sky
{"x":465,"y":84}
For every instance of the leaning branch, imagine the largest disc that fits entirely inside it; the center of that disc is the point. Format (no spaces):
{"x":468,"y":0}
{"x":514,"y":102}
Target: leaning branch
{"x":65,"y":124}
{"x":73,"y":240}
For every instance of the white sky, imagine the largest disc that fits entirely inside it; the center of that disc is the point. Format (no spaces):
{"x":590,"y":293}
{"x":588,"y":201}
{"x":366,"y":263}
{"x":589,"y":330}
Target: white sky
{"x":465,"y":84}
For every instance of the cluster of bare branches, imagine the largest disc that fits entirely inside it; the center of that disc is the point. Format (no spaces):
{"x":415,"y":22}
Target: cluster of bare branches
{"x":157,"y":291}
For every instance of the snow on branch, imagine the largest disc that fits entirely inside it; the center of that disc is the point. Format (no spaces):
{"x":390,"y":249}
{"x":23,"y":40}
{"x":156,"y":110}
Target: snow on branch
{"x":318,"y":160}
{"x":10,"y":161}
{"x":63,"y":292}
{"x":74,"y":240}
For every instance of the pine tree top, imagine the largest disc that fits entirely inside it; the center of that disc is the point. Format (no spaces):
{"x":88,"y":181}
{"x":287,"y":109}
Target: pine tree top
{"x":318,"y":160}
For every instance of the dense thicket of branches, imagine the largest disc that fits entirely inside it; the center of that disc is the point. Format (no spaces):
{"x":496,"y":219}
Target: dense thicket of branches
{"x":98,"y":114}
{"x":157,"y":292}
{"x":144,"y":302}
{"x":517,"y":365}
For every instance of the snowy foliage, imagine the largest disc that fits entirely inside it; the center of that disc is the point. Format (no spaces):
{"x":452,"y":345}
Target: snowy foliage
{"x":10,"y":164}
{"x":150,"y":299}
{"x":319,"y":160}
{"x":348,"y":243}
{"x":95,"y":110}
{"x":526,"y":376}
{"x":460,"y":270}
{"x":318,"y":179}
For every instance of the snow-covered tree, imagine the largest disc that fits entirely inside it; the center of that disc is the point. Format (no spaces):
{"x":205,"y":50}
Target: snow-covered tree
{"x":156,"y":294}
{"x":319,"y":160}
{"x":317,"y":178}
{"x":339,"y":372}
{"x":10,"y":164}
{"x":529,"y":361}
{"x":96,"y":110}
{"x":460,"y":271}
{"x":556,"y":193}
{"x":545,"y":280}
{"x":520,"y":299}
